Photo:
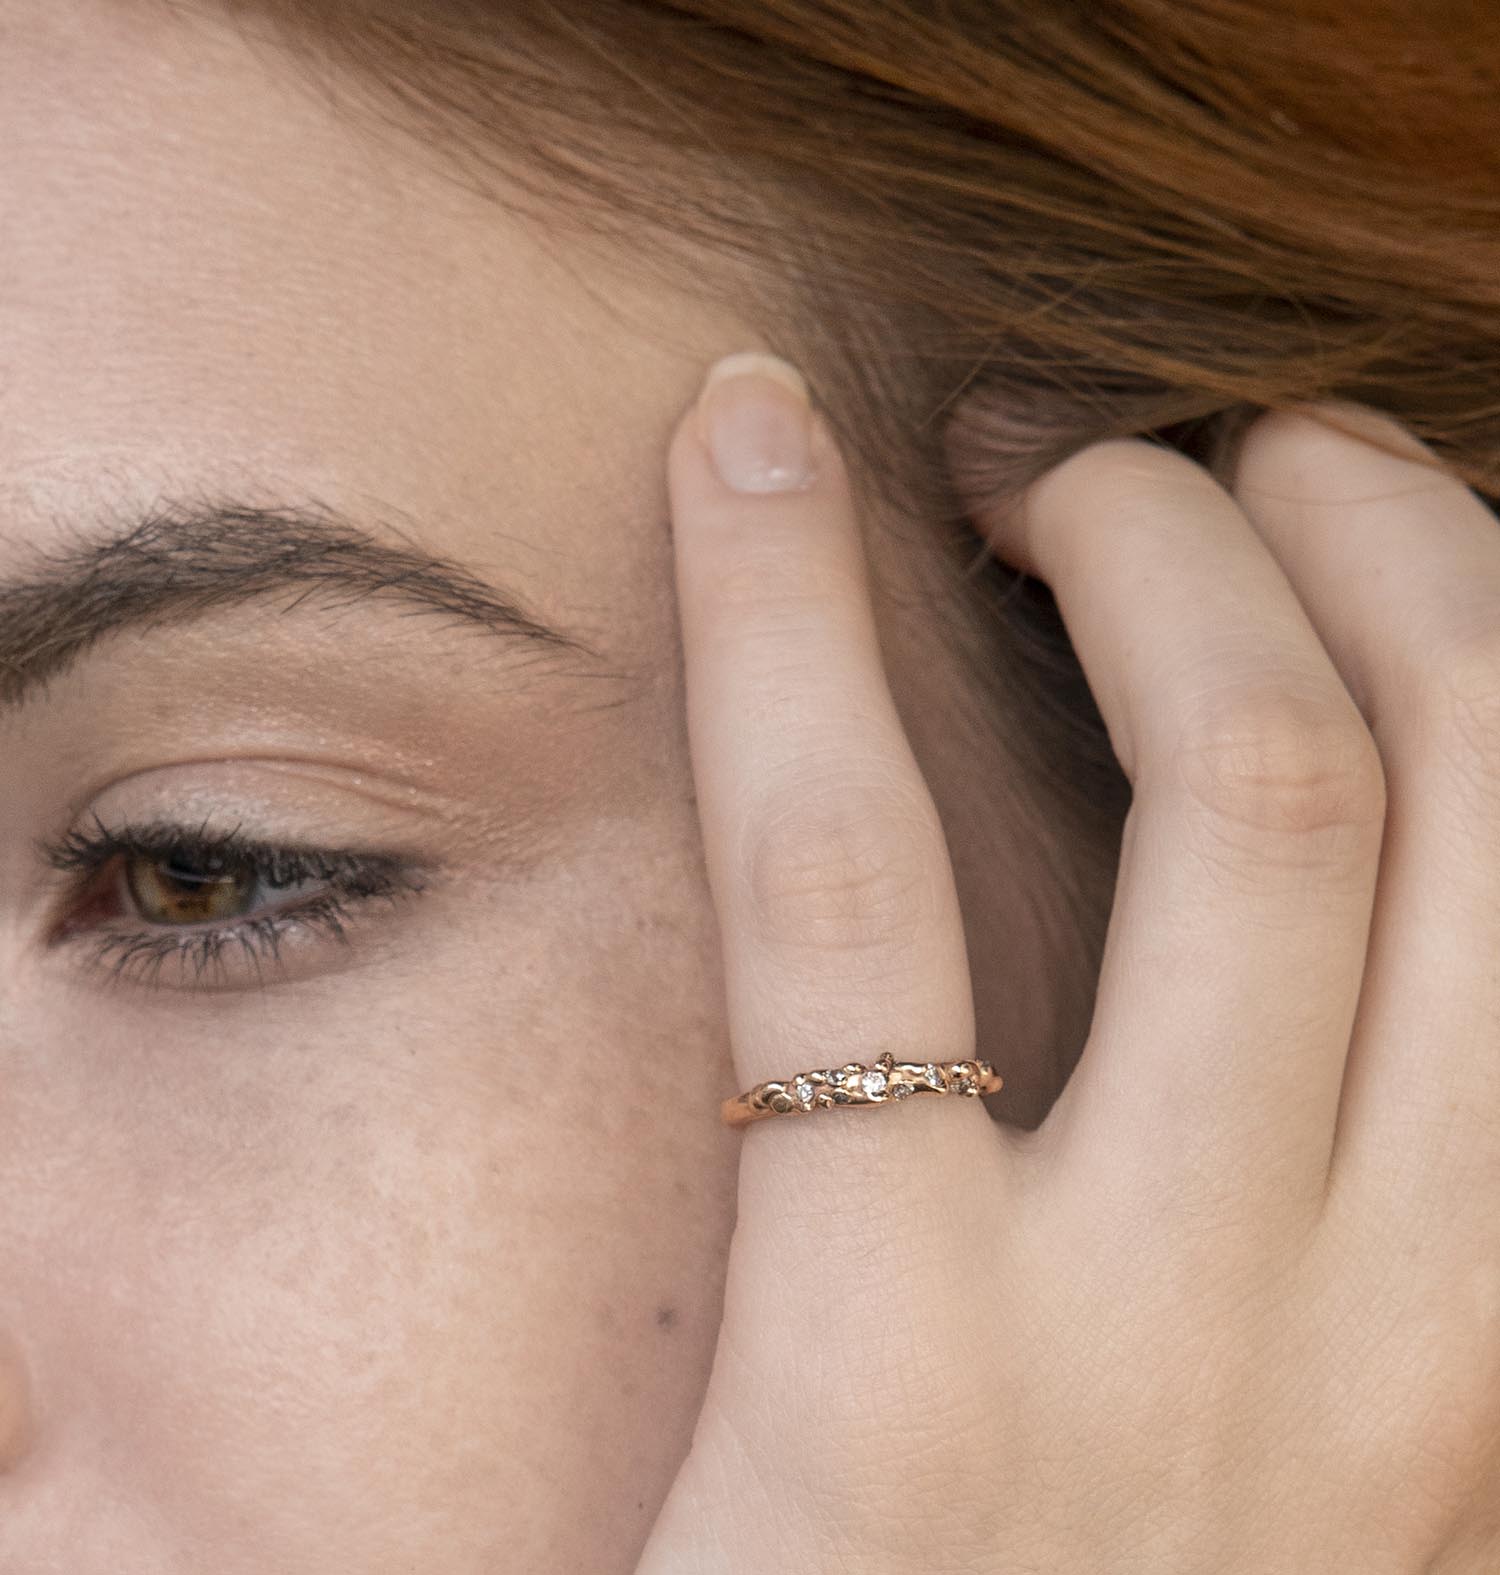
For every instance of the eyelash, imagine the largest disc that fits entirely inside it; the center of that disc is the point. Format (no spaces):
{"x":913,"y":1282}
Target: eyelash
{"x":351,"y":879}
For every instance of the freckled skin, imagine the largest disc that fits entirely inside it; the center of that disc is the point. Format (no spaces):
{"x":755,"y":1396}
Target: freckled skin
{"x":372,"y":1270}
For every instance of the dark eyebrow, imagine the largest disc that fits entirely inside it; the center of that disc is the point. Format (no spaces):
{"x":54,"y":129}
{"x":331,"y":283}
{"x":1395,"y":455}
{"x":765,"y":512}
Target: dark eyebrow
{"x":182,"y":557}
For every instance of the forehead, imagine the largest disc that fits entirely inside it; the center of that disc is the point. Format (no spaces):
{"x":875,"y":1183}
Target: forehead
{"x":211,"y":273}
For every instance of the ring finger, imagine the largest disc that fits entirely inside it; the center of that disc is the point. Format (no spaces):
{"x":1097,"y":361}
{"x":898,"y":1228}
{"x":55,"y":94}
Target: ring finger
{"x":1234,"y":955}
{"x":840,"y":925}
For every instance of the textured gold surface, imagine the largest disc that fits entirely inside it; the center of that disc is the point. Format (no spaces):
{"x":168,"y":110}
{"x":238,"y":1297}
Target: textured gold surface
{"x":886,"y":1082}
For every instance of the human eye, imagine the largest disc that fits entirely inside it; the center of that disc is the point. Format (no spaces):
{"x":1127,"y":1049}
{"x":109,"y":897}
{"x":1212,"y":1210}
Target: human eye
{"x":164,"y":904}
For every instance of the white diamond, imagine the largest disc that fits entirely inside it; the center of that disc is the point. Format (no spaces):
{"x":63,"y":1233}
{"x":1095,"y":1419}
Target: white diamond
{"x":805,"y":1094}
{"x":934,"y":1076}
{"x":835,"y":1076}
{"x":873,"y":1083}
{"x":901,"y":1090}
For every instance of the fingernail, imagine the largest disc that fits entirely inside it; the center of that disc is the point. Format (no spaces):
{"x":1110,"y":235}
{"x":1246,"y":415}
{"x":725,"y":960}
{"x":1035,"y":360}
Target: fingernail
{"x":754,"y":416}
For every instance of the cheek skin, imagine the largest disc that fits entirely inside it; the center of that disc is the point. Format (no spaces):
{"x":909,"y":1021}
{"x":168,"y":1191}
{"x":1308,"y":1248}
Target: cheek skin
{"x":332,"y":1285}
{"x":15,"y":1404}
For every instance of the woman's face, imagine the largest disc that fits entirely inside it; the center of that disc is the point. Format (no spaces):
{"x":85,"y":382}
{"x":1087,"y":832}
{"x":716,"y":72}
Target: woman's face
{"x":363,"y":1212}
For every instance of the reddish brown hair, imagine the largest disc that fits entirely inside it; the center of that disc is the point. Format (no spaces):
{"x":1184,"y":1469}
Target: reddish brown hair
{"x":1069,"y":220}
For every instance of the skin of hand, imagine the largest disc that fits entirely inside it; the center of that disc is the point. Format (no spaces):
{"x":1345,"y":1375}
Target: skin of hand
{"x":1235,"y":1305}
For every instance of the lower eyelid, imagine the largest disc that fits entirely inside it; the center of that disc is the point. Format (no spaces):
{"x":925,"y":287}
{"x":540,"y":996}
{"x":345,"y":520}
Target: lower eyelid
{"x":258,"y":949}
{"x":238,"y":954}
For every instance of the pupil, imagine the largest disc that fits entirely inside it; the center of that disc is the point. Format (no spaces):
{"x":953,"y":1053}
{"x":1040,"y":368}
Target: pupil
{"x":210,"y":870}
{"x":182,"y":891}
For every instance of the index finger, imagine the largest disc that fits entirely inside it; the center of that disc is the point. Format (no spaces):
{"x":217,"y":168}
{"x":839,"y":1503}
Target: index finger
{"x":840,"y":925}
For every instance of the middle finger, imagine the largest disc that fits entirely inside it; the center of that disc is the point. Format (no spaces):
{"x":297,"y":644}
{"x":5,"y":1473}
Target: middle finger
{"x":1234,"y":955}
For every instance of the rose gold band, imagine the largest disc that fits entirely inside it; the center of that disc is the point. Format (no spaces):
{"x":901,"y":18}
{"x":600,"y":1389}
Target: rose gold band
{"x":887,"y":1082}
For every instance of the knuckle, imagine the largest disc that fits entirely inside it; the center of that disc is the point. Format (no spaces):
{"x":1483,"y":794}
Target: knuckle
{"x":901,"y":1421}
{"x":1438,"y":1372}
{"x":845,"y":867}
{"x":1461,"y":704}
{"x":756,"y":578}
{"x":770,"y":609}
{"x":1271,"y":761}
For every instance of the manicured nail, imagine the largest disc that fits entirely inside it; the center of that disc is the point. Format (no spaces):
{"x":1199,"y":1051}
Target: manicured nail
{"x":753,"y":414}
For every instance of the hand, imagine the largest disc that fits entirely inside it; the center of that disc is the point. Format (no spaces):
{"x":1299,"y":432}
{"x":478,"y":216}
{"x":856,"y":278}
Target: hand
{"x":1235,"y":1305}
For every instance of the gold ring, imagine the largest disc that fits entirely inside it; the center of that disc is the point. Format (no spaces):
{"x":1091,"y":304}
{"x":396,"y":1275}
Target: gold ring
{"x":887,"y":1082}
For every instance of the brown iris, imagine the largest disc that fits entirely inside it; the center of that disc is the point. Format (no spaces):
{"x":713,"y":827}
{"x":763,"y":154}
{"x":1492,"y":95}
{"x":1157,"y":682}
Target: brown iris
{"x":182,"y":891}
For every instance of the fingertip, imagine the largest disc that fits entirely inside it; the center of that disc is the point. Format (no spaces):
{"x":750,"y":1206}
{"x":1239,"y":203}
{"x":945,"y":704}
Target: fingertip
{"x":755,"y":420}
{"x":757,"y":363}
{"x":1330,"y":452}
